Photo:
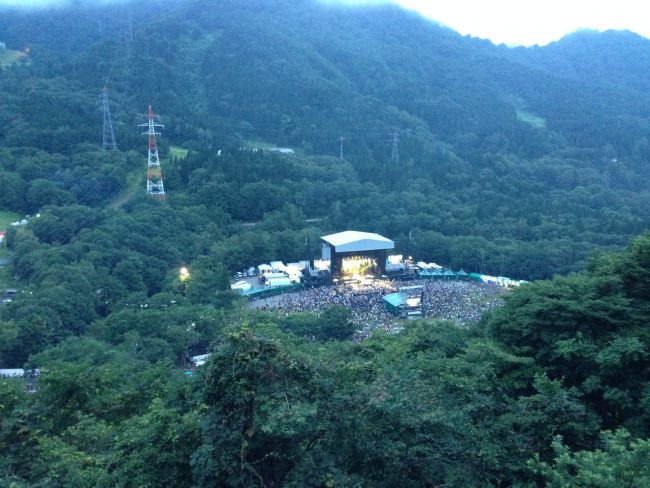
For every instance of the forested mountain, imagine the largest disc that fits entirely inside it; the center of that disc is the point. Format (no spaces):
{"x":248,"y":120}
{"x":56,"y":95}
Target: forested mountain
{"x":542,"y":152}
{"x":615,"y":58}
{"x":526,"y":162}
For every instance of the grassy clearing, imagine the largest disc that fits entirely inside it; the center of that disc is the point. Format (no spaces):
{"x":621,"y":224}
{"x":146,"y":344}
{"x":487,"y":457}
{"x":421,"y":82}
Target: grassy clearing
{"x":7,"y":217}
{"x":519,"y":104}
{"x":9,"y":57}
{"x":134,"y":183}
{"x":177,"y":152}
{"x":531,"y":119}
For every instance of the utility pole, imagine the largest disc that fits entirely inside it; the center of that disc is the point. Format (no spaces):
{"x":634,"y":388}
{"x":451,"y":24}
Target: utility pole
{"x":341,"y":139}
{"x":394,"y":157}
{"x":155,"y":186}
{"x":108,"y":135}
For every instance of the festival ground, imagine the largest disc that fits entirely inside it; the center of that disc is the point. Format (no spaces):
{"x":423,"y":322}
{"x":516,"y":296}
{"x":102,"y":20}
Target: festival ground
{"x":460,"y":301}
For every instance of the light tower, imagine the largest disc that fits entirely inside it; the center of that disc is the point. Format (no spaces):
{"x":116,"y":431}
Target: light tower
{"x":154,"y":174}
{"x":108,"y":136}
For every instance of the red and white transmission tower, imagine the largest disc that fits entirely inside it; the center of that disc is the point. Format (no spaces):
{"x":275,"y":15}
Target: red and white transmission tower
{"x":154,"y":173}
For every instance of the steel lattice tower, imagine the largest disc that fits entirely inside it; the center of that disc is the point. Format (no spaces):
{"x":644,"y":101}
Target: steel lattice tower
{"x":154,"y":174}
{"x":108,"y":135}
{"x":394,"y":157}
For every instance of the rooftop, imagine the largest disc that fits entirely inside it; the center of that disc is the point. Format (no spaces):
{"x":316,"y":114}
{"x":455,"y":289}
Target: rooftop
{"x":352,"y":240}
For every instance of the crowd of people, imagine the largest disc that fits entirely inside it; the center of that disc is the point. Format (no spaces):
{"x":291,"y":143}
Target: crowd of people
{"x":459,"y":301}
{"x":365,"y":305}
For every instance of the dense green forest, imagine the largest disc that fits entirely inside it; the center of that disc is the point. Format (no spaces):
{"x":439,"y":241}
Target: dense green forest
{"x":552,"y":389}
{"x":528,"y":162}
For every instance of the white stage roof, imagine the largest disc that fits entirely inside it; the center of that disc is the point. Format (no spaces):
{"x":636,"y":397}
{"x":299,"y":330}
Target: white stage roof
{"x":352,"y":240}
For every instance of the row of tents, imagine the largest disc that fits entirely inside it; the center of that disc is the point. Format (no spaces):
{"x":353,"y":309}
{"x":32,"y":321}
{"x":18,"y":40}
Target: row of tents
{"x":444,"y":274}
{"x":448,"y":274}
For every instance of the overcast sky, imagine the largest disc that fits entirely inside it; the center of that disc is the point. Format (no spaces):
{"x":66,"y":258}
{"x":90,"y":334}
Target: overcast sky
{"x":528,"y":22}
{"x":514,"y":22}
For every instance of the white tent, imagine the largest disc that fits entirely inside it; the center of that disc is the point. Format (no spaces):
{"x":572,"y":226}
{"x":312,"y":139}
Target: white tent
{"x":277,"y":266}
{"x":241,"y":285}
{"x":294,"y":272}
{"x":273,"y":282}
{"x":351,"y":241}
{"x":12,"y":373}
{"x":423,"y":265}
{"x":201,"y":359}
{"x":264,"y":268}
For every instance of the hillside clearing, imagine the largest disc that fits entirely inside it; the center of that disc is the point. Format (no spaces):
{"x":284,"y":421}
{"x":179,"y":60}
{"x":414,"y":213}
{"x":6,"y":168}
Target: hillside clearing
{"x":134,"y":182}
{"x":178,"y":152}
{"x":9,"y":57}
{"x":6,"y":218}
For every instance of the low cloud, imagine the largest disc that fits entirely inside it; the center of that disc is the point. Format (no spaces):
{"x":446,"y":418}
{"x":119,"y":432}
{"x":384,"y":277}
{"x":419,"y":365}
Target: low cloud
{"x":38,"y":4}
{"x":357,"y":2}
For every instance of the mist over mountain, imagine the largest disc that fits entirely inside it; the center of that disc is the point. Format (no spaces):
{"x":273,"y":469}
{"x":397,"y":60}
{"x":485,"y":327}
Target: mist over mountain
{"x":509,"y":132}
{"x":126,"y":358}
{"x":616,"y":58}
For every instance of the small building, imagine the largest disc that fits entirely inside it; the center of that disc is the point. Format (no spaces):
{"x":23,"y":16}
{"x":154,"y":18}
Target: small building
{"x":269,"y":276}
{"x":12,"y":373}
{"x":201,"y":359}
{"x":264,"y":269}
{"x":281,"y":150}
{"x":7,"y":296}
{"x":394,"y":303}
{"x":407,"y":303}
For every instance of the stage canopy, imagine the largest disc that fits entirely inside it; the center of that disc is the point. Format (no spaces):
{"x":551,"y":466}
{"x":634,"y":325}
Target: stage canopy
{"x":354,"y":241}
